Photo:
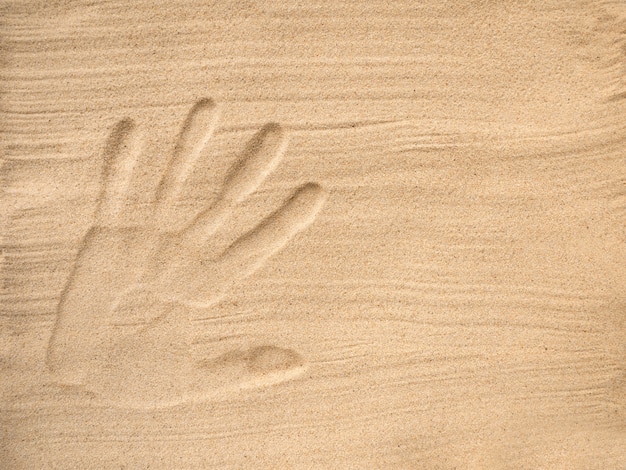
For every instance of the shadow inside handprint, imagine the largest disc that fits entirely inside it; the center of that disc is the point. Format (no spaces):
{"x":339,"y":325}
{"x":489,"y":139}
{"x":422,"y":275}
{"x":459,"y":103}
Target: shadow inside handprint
{"x":153,"y":366}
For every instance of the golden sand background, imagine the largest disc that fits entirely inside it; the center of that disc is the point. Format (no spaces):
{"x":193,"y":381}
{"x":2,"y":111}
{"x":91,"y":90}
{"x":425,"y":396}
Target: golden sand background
{"x":457,"y":302}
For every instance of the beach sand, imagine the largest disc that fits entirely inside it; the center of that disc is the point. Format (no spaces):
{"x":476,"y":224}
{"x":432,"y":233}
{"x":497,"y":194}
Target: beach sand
{"x":326,"y":234}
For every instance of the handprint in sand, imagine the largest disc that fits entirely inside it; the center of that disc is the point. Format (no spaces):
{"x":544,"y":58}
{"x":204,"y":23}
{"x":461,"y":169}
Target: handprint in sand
{"x":153,"y":366}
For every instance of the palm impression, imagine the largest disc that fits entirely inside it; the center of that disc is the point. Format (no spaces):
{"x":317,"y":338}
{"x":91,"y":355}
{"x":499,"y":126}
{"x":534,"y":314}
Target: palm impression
{"x":153,"y":366}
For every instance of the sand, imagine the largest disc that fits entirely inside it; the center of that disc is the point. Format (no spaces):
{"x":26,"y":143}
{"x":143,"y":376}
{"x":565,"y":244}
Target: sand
{"x":326,"y":234}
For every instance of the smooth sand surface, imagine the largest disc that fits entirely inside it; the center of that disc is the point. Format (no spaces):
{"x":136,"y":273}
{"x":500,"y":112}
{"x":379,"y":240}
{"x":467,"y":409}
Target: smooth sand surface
{"x":322,"y":234}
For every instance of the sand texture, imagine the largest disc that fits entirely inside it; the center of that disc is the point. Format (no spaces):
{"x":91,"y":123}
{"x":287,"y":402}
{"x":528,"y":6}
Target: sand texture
{"x":323,"y":234}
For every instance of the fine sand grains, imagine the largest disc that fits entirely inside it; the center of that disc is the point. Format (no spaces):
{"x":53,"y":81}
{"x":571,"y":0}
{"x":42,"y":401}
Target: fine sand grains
{"x":325,"y":234}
